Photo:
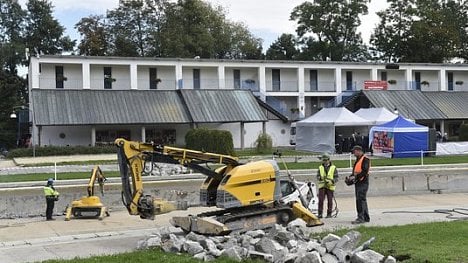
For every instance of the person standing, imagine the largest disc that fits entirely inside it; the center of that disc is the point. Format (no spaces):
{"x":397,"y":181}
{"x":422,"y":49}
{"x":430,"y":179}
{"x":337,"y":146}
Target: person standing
{"x":327,"y":176}
{"x":360,"y":179}
{"x":51,"y":196}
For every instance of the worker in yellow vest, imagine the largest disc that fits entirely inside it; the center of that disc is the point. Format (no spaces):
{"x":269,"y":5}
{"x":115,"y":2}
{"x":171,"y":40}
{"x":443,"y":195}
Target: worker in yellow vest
{"x":327,"y":176}
{"x":51,"y":196}
{"x":360,"y":179}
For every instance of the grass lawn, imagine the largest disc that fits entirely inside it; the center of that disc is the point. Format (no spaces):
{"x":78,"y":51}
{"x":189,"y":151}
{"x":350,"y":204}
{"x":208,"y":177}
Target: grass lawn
{"x":385,"y":162}
{"x":441,"y":242}
{"x":43,"y":176}
{"x":430,"y":242}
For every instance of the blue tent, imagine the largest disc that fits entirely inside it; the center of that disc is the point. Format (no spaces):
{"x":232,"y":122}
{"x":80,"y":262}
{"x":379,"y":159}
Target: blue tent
{"x":399,"y":138}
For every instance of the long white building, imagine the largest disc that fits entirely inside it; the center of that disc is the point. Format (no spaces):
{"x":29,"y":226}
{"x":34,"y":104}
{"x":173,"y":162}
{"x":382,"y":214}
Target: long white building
{"x":293,"y":89}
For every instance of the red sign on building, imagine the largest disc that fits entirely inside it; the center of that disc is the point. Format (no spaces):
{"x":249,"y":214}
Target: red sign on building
{"x":375,"y":85}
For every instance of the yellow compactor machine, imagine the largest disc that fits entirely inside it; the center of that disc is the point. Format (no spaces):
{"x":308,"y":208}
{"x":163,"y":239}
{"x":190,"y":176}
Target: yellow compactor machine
{"x":249,"y":196}
{"x":89,"y":206}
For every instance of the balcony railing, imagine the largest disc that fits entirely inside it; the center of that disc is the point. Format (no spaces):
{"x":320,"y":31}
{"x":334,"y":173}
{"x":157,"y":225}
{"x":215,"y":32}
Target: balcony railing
{"x":282,"y":86}
{"x":320,"y":86}
{"x":245,"y":84}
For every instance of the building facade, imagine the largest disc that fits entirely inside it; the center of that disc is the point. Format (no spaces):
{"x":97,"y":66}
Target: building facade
{"x":295,"y":89}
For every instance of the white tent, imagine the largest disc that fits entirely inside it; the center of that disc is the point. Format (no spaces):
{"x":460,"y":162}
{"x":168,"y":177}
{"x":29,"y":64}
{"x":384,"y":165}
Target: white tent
{"x":317,"y":133}
{"x":376,"y":115}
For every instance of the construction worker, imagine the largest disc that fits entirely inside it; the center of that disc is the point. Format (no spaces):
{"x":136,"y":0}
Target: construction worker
{"x":51,"y":196}
{"x":327,"y":176}
{"x":360,"y":179}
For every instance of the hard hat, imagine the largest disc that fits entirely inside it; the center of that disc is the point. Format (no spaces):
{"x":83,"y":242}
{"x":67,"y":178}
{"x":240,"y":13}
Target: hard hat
{"x":325,"y":157}
{"x":357,"y":147}
{"x":50,"y":181}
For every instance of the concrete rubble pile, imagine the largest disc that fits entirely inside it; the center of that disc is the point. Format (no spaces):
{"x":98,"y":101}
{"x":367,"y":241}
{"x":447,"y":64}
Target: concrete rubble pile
{"x":291,"y":244}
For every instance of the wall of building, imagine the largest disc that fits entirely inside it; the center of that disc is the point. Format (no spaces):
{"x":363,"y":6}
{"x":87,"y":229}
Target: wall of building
{"x":74,"y":135}
{"x":460,"y":76}
{"x":208,"y":77}
{"x":288,"y":78}
{"x":430,"y":76}
{"x":245,"y":74}
{"x":72,"y":72}
{"x":359,"y":76}
{"x":121,"y":74}
{"x":165,"y":74}
{"x":399,"y":76}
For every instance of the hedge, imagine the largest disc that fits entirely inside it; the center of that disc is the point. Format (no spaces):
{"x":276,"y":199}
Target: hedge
{"x":264,"y":143}
{"x":61,"y":150}
{"x":207,"y":140}
{"x":463,"y":132}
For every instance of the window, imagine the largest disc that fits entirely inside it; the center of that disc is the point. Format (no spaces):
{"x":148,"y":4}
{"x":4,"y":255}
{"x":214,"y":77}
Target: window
{"x":108,"y":78}
{"x":237,"y":80}
{"x":276,"y":79}
{"x":107,"y":137}
{"x":450,"y":80}
{"x":383,"y":75}
{"x":59,"y":78}
{"x":161,"y":136}
{"x":196,"y":78}
{"x":349,"y":80}
{"x":153,"y":78}
{"x":313,"y":80}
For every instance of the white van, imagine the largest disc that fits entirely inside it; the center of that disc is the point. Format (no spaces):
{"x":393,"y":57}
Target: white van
{"x":292,"y":134}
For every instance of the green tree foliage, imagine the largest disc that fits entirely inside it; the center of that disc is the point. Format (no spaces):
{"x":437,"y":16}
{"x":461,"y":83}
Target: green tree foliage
{"x":422,"y":31}
{"x":43,"y":33}
{"x":284,"y":48}
{"x":328,"y":29}
{"x":12,"y":18}
{"x":11,"y":87}
{"x":94,"y":37}
{"x":264,"y":143}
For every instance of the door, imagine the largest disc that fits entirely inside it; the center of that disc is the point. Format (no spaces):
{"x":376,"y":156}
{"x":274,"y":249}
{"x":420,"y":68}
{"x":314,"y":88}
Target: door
{"x":237,"y":81}
{"x":276,"y":79}
{"x":196,"y":78}
{"x":417,"y":80}
{"x":108,"y":78}
{"x":450,"y":80}
{"x":59,"y":78}
{"x":349,"y":80}
{"x":383,"y":75}
{"x":313,"y":80}
{"x":153,"y":78}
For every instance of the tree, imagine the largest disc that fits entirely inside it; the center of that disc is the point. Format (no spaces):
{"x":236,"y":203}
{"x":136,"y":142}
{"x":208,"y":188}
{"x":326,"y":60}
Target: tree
{"x":11,"y":35}
{"x":134,"y":27}
{"x":284,"y":48}
{"x":422,"y":31}
{"x":94,"y":37}
{"x":330,"y":27}
{"x":44,"y":34}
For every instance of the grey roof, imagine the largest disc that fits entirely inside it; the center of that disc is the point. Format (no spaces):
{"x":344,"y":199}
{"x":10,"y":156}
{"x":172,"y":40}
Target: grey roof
{"x":411,"y":104}
{"x":113,"y":107}
{"x":222,"y":106}
{"x":452,"y":104}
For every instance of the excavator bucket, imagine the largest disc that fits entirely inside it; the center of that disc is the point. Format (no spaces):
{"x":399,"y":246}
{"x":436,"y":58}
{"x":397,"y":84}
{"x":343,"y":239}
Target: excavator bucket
{"x":303,"y":213}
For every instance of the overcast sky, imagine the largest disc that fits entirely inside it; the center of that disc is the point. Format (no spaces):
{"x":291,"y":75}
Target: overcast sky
{"x":267,"y":19}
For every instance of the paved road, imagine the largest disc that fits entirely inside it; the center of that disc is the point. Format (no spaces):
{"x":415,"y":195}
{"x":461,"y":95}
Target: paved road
{"x":33,"y":239}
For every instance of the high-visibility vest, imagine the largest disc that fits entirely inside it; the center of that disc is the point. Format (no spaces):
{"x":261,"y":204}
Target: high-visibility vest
{"x":327,"y":176}
{"x":49,"y":191}
{"x":358,"y":166}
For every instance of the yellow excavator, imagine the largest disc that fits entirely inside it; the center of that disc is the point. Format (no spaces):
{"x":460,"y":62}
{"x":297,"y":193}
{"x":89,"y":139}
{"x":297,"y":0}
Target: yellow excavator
{"x":249,"y":196}
{"x":89,"y":206}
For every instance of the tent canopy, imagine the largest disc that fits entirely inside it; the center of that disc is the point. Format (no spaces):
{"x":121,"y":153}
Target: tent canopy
{"x":400,"y":137}
{"x":376,"y":115}
{"x":334,"y":117}
{"x":317,"y":133}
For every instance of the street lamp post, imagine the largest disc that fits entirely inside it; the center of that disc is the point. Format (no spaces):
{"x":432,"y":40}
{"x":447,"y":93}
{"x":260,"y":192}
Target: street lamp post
{"x":13,"y":115}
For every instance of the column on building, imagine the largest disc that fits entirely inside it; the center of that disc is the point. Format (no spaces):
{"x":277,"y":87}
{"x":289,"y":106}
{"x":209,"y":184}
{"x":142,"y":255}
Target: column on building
{"x":374,"y":75}
{"x":409,"y":79}
{"x":133,"y":76}
{"x":93,"y":136}
{"x":338,"y":81}
{"x":242,"y":135}
{"x":86,"y":75}
{"x":35,"y":73}
{"x":443,"y":80}
{"x":221,"y":77}
{"x":262,"y":82}
{"x":143,"y":134}
{"x":301,"y":98}
{"x":179,"y":76}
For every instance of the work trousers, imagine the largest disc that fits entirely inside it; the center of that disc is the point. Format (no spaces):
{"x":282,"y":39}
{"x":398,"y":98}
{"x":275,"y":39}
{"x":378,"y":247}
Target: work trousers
{"x":361,"y":201}
{"x":50,"y":207}
{"x":329,"y":194}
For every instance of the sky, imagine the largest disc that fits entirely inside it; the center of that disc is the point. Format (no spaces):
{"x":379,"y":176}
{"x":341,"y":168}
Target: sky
{"x":266,"y":19}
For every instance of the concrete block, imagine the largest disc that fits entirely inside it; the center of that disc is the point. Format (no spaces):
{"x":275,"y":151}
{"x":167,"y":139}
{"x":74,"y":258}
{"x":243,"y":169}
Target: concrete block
{"x":366,"y":256}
